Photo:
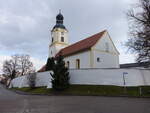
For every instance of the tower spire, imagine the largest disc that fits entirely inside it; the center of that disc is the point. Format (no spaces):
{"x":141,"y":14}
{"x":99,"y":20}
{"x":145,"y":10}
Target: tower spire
{"x":59,"y":21}
{"x":59,"y":36}
{"x":59,"y":10}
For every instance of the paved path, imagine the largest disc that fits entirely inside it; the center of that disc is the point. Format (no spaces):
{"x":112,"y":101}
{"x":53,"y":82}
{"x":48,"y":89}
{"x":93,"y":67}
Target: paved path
{"x":11,"y":102}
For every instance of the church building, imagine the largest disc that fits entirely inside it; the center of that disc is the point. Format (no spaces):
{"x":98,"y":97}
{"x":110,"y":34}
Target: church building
{"x":96,"y":51}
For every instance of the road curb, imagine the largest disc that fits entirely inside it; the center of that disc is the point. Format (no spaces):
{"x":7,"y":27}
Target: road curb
{"x":26,"y":93}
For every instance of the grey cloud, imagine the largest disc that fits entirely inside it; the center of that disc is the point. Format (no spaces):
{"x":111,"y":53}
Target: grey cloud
{"x":25,"y":24}
{"x":87,"y":17}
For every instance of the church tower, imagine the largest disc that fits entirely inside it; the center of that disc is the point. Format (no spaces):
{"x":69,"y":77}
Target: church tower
{"x":59,"y":36}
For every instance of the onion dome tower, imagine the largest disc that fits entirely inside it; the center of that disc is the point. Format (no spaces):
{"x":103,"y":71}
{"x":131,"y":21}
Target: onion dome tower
{"x":59,"y":36}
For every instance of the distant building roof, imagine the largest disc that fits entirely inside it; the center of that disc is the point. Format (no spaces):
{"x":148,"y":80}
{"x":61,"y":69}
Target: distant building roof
{"x":131,"y":65}
{"x":81,"y":45}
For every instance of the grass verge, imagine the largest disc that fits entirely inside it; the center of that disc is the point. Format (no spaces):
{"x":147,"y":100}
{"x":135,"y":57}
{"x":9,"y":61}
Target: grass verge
{"x":90,"y":90}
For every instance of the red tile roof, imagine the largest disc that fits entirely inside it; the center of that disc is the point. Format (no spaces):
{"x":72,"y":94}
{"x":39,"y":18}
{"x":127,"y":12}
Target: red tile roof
{"x":78,"y":47}
{"x":42,"y":69}
{"x":81,"y":45}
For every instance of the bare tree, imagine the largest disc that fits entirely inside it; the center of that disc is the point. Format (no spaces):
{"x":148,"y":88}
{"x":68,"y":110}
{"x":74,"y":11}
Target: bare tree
{"x":10,"y":66}
{"x":25,"y":64}
{"x":139,"y":25}
{"x":18,"y":65}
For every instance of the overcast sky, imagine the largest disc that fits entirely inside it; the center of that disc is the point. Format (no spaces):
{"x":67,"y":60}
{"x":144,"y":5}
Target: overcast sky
{"x":25,"y":25}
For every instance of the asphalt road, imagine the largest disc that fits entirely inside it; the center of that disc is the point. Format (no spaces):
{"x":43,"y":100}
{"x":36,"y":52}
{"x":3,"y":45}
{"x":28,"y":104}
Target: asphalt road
{"x":11,"y":102}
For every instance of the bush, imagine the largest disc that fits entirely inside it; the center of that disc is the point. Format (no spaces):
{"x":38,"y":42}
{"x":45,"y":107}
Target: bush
{"x":31,"y":78}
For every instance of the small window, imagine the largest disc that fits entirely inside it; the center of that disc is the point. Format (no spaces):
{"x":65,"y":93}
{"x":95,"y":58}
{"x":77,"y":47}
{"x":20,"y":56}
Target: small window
{"x":68,"y":64}
{"x":52,"y":39}
{"x":62,"y":39}
{"x":78,"y":63}
{"x":107,"y":46}
{"x":98,"y":59}
{"x":62,"y":33}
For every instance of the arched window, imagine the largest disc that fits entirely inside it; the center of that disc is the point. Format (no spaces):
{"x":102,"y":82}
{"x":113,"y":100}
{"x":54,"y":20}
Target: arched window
{"x":62,"y":39}
{"x":78,"y":63}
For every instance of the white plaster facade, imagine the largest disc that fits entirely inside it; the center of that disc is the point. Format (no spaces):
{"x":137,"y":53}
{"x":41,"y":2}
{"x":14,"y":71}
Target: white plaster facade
{"x":42,"y":79}
{"x":56,"y":43}
{"x":133,"y":77}
{"x":84,"y":58}
{"x":108,"y":56}
{"x":107,"y":53}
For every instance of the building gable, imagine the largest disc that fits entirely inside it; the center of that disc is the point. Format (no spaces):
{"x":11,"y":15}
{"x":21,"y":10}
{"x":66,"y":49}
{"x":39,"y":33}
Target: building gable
{"x":105,"y":44}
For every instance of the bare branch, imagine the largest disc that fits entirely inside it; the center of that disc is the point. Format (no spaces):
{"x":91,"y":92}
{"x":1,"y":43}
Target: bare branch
{"x":139,"y":41}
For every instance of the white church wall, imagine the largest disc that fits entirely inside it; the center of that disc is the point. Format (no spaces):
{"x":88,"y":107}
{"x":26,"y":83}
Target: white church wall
{"x":57,"y":34}
{"x":57,"y":43}
{"x":133,"y":77}
{"x":103,"y":42}
{"x":107,"y":77}
{"x":65,"y":35}
{"x":109,"y":56}
{"x":53,"y":50}
{"x":146,"y":76}
{"x":84,"y":60}
{"x":60,"y":46}
{"x":19,"y":82}
{"x":42,"y":79}
{"x":106,"y":60}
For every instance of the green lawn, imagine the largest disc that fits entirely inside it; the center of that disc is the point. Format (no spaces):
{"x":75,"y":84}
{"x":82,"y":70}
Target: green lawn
{"x":37,"y":90}
{"x":92,"y":90}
